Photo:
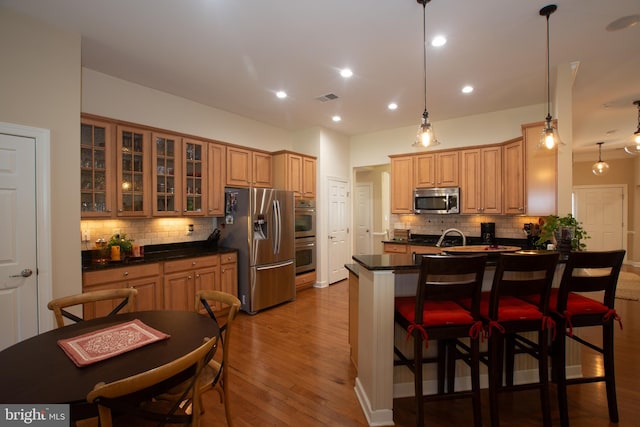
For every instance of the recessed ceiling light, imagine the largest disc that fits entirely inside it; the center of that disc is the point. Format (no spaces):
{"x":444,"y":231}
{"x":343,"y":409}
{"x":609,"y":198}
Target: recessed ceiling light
{"x":281,"y":94}
{"x":438,"y":41}
{"x":392,"y":106}
{"x":346,"y":73}
{"x":336,"y":118}
{"x":624,"y":22}
{"x":467,"y":89}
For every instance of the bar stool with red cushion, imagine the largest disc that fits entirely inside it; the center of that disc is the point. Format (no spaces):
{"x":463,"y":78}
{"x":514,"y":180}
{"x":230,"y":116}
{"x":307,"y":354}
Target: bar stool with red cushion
{"x":507,"y":316}
{"x":586,"y":272}
{"x":434,"y":314}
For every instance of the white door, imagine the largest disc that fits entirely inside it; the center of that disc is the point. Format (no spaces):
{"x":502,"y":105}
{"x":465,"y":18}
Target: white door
{"x":18,"y":260}
{"x":364,"y":219}
{"x":338,"y":248}
{"x":600,"y":209}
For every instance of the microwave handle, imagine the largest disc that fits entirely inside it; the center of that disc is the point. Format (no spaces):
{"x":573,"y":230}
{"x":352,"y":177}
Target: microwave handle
{"x":449,"y":202}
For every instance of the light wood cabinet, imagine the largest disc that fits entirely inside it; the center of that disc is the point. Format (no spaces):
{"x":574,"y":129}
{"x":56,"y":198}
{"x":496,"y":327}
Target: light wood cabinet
{"x":194,"y":177}
{"x":216,"y":161}
{"x":481,"y":186}
{"x":166,"y":167}
{"x":402,"y":185}
{"x":305,"y":280}
{"x":228,"y":275}
{"x":513,"y":170}
{"x":395,"y":248}
{"x":420,"y":249}
{"x":295,"y":172}
{"x":147,"y":279}
{"x":541,"y":173}
{"x":437,"y":170}
{"x":133,"y":158}
{"x":354,"y":295}
{"x":182,"y":278}
{"x":96,"y":169}
{"x":248,"y":168}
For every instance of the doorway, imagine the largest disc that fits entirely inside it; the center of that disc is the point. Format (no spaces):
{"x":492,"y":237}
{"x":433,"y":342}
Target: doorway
{"x":25,"y":257}
{"x":338,"y":228}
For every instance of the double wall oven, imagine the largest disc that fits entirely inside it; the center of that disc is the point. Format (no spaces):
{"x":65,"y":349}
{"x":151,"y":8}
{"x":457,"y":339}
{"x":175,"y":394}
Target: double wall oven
{"x":305,"y":232}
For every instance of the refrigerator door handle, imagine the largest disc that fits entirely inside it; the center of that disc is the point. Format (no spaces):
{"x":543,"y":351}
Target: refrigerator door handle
{"x":269,"y":267}
{"x":277,"y":226}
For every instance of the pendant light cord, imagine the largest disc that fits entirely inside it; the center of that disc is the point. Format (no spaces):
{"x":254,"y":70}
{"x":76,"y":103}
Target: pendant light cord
{"x":548,"y":74}
{"x":424,"y":46}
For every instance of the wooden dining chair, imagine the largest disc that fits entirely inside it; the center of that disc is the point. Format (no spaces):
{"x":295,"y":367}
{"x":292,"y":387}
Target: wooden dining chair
{"x":594,"y":274}
{"x":507,"y":316}
{"x":434,"y":315}
{"x":129,"y":400}
{"x":125,"y":296}
{"x":216,"y":373}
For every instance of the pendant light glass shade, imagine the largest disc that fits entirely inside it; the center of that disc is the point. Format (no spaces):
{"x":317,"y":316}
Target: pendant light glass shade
{"x":549,"y":138}
{"x":635,"y":147}
{"x":425,"y":137}
{"x":599,"y":168}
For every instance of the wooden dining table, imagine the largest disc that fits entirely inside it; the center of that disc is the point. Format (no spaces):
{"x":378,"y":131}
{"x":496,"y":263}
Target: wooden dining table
{"x":37,"y":370}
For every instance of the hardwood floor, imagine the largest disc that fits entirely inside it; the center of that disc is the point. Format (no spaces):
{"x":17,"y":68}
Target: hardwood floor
{"x":290,"y":367}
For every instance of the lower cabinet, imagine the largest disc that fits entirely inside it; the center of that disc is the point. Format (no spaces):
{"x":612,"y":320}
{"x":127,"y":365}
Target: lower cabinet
{"x":305,"y":280}
{"x":169,"y":285}
{"x":395,"y":248}
{"x":354,"y":290}
{"x":182,"y":278}
{"x":147,"y":279}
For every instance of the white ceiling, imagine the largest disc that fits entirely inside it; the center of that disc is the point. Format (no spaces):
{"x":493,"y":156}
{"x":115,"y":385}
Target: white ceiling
{"x":234,"y":55}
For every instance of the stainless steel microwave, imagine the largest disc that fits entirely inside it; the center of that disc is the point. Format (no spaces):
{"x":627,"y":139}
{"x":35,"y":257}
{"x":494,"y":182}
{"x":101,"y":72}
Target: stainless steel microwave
{"x":436,"y":200}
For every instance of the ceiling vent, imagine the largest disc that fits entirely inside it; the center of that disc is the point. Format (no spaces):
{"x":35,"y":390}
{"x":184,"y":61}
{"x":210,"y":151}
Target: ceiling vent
{"x":327,"y":97}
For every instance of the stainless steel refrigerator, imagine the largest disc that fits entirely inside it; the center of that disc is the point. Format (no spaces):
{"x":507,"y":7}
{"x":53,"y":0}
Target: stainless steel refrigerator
{"x":260,"y":224}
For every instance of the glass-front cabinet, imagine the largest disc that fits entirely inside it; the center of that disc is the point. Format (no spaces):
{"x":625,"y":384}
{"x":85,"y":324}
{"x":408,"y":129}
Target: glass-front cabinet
{"x":167,"y":169}
{"x":132,"y":165}
{"x":96,"y":169}
{"x":194,"y":168}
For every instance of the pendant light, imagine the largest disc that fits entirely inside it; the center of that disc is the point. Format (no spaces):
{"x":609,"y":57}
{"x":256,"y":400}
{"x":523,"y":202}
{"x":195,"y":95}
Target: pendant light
{"x":635,"y":148}
{"x":425,"y":137}
{"x":599,"y":168}
{"x":549,"y":137}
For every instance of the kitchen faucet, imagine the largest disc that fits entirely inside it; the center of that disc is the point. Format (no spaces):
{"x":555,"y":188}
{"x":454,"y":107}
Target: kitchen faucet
{"x":449,"y":230}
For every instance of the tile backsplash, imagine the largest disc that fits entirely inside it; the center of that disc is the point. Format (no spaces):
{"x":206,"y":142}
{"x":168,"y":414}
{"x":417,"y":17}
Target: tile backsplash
{"x":147,"y":231}
{"x":511,"y":227}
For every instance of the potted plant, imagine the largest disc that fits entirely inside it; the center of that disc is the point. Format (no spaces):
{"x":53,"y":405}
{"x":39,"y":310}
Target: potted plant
{"x":123,"y":242}
{"x":558,"y":230}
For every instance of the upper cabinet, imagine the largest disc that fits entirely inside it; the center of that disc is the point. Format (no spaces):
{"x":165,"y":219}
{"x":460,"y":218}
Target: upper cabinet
{"x":481,"y":186}
{"x":437,"y":170}
{"x":194,"y":167}
{"x":295,"y":172}
{"x":541,"y":173}
{"x":513,"y":177}
{"x":96,"y":169}
{"x":248,"y":168}
{"x":402,"y":184}
{"x":166,"y":174}
{"x":216,"y":161}
{"x":132,"y":172}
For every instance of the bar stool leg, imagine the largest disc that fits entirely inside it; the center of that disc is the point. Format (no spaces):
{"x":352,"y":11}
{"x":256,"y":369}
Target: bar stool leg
{"x":417,"y":378}
{"x":495,"y":376}
{"x":609,"y":374}
{"x":543,"y":372}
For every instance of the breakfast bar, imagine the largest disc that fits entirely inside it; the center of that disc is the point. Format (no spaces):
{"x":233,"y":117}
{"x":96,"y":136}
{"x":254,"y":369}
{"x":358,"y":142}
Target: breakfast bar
{"x":382,"y":278}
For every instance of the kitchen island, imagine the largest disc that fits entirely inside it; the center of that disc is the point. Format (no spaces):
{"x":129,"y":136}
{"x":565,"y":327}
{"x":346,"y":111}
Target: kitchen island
{"x":381,"y":278}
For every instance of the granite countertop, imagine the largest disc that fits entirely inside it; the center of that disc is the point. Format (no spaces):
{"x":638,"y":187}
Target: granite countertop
{"x":158,"y":253}
{"x":455,"y":240}
{"x":409,"y":262}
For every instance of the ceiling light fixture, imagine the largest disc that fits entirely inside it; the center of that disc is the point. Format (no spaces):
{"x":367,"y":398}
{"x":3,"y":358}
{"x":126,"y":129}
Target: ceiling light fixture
{"x":549,"y":137}
{"x":635,"y":148}
{"x":599,"y":168}
{"x":346,"y":73}
{"x":281,"y":94}
{"x":426,"y":136}
{"x":392,"y":106}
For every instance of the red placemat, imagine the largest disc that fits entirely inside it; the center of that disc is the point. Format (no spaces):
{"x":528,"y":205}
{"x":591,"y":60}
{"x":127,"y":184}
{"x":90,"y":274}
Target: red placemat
{"x":108,"y":342}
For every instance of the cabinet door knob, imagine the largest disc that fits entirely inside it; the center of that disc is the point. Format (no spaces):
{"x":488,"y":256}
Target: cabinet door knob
{"x":125,"y":274}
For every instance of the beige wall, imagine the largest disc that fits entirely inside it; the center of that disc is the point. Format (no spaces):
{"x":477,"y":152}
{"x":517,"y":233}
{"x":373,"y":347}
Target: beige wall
{"x":40,"y":87}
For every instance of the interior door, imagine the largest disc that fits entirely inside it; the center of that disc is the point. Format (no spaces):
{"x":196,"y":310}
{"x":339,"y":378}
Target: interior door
{"x":600,"y":209}
{"x":364,"y":219}
{"x":18,"y":269}
{"x":338,"y":229}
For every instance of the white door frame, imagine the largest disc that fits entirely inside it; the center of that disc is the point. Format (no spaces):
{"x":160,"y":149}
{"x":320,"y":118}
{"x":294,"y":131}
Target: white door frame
{"x":43,"y":215}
